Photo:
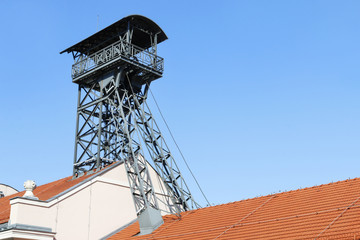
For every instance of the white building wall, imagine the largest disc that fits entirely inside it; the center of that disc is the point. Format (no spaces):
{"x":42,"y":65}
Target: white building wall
{"x":7,"y":190}
{"x":90,"y":211}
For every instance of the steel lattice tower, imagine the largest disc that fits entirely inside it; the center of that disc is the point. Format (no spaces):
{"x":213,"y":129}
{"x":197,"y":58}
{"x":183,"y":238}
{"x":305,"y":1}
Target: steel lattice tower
{"x":114,"y":69}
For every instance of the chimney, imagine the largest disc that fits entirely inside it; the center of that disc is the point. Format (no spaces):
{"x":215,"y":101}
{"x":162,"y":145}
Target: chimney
{"x":29,"y":186}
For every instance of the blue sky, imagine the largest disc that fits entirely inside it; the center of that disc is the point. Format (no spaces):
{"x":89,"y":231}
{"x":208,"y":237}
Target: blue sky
{"x":262,"y":96}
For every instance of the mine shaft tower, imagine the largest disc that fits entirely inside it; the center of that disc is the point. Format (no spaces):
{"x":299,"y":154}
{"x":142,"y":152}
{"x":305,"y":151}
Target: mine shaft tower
{"x":113,"y":70}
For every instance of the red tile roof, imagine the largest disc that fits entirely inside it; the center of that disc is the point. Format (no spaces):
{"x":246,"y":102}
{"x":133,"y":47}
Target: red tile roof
{"x":330,"y":211}
{"x":43,"y":192}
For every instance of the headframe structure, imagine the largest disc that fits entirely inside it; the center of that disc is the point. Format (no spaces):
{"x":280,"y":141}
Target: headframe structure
{"x":114,"y":69}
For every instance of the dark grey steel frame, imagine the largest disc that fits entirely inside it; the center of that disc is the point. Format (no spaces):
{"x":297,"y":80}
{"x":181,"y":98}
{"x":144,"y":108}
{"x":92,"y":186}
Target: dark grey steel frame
{"x":114,"y":122}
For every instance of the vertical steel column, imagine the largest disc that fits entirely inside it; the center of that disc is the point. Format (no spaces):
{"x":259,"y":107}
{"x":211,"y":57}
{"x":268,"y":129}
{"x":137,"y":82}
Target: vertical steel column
{"x":100,"y":121}
{"x":77,"y":128}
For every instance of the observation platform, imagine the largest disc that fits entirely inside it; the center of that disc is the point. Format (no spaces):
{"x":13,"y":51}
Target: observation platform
{"x":131,"y":41}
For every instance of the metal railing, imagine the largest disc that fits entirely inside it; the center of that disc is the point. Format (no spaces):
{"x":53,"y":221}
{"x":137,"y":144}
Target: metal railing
{"x":119,"y":50}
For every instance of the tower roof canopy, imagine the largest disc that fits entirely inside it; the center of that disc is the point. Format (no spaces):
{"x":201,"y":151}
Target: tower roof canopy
{"x":143,"y":27}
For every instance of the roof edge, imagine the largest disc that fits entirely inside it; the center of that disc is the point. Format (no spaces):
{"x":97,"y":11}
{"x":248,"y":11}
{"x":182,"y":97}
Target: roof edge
{"x":68,"y":50}
{"x":9,"y":187}
{"x":101,"y":172}
{"x":94,"y":175}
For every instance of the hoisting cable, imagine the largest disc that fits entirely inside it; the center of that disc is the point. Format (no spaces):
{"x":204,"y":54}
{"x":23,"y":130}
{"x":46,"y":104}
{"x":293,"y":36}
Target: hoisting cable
{"x":177,"y":146}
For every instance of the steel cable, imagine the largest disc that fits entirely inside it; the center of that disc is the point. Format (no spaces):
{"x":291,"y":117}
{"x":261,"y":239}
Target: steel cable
{"x":177,"y":146}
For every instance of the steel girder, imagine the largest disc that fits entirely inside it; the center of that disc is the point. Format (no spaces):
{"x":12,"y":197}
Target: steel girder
{"x":106,"y":133}
{"x":179,"y":195}
{"x":114,"y":123}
